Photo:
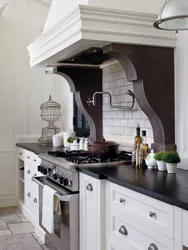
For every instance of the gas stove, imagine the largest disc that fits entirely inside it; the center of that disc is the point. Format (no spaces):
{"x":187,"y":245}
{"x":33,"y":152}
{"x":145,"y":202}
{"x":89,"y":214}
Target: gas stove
{"x":60,"y":166}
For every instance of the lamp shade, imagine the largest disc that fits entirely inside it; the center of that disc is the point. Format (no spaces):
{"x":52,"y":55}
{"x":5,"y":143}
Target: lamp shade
{"x":173,"y":16}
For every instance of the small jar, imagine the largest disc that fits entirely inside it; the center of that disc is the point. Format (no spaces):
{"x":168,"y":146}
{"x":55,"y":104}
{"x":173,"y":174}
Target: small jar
{"x":86,"y":144}
{"x":57,"y":141}
{"x":81,"y":144}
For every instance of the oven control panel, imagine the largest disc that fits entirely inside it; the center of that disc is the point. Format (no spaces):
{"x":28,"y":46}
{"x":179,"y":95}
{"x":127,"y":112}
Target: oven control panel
{"x":60,"y":175}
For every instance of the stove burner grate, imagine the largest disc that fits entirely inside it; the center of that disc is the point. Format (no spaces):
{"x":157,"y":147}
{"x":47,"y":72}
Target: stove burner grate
{"x":84,"y":157}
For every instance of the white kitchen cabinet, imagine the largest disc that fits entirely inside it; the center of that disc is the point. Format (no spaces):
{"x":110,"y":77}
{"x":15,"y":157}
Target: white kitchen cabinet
{"x":31,"y":189}
{"x":116,"y":218}
{"x":92,"y":211}
{"x":27,"y":191}
{"x":185,"y":228}
{"x":154,"y":214}
{"x":127,"y":232}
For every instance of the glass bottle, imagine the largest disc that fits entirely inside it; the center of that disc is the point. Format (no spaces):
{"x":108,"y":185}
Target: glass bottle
{"x":137,"y":156}
{"x":144,"y":146}
{"x":138,"y":138}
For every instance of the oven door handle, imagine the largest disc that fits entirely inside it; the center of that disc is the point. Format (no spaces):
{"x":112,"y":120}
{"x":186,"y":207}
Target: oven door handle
{"x":65,"y":197}
{"x":37,"y":181}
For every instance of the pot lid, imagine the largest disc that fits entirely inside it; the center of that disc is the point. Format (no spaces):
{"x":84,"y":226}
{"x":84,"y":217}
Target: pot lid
{"x":102,"y":143}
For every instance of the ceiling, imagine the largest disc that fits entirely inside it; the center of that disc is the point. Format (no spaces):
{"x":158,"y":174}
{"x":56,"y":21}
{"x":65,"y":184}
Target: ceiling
{"x":45,"y":2}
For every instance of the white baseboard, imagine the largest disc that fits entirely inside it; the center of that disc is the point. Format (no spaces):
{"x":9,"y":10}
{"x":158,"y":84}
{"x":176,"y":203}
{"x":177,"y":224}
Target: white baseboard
{"x":40,"y":233}
{"x":33,"y":219}
{"x":8,"y":200}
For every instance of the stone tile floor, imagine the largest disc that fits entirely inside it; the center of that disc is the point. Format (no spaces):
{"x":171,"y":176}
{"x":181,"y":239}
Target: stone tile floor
{"x":16,"y":232}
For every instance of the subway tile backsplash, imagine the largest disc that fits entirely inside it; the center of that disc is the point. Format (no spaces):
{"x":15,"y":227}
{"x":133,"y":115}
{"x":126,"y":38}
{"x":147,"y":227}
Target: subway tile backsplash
{"x":120,"y":125}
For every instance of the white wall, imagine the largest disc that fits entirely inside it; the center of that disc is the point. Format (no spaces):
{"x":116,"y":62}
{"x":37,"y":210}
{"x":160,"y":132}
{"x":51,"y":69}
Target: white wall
{"x":181,"y":90}
{"x":22,"y":89}
{"x":62,"y":7}
{"x":120,"y":125}
{"x":144,"y":6}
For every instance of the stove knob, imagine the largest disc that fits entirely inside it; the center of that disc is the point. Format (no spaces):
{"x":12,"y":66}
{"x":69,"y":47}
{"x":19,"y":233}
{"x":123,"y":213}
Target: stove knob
{"x":45,"y":171}
{"x":65,"y":182}
{"x":55,"y":176}
{"x":70,"y":183}
{"x":39,"y":167}
{"x":61,"y":180}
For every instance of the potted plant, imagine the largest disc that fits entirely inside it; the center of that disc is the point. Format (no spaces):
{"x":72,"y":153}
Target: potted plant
{"x":171,"y":159}
{"x":160,"y":163}
{"x":73,"y":143}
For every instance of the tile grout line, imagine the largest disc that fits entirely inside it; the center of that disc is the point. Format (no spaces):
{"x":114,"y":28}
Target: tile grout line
{"x":37,"y":241}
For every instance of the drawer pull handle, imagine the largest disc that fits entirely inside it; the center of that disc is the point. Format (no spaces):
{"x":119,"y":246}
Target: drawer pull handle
{"x":152,"y":214}
{"x":29,"y":195}
{"x":35,"y":200}
{"x":122,"y":200}
{"x":89,"y":187}
{"x":153,"y":247}
{"x":29,"y":172}
{"x":28,"y":157}
{"x":123,"y":231}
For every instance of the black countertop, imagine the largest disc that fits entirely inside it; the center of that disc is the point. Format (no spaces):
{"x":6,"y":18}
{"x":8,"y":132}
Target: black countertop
{"x":169,"y":188}
{"x":37,"y":149}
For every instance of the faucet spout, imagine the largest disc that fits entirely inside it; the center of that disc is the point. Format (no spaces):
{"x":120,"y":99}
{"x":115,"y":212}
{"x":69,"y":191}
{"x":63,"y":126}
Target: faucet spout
{"x":129,"y":92}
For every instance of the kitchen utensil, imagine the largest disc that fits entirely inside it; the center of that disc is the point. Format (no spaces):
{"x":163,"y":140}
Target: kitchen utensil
{"x":99,"y":148}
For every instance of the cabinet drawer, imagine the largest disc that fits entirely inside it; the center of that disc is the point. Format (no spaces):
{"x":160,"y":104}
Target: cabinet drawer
{"x":92,"y":224}
{"x":152,"y":213}
{"x":36,"y":160}
{"x":21,"y":154}
{"x":28,"y":156}
{"x":29,"y":172}
{"x":185,"y":228}
{"x":126,"y":233}
{"x":31,"y":196}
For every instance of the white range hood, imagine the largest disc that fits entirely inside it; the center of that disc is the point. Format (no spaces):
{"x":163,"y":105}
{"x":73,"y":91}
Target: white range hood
{"x":73,"y":26}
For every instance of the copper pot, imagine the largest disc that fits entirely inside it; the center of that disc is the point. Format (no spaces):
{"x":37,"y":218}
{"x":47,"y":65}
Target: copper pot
{"x":101,"y":148}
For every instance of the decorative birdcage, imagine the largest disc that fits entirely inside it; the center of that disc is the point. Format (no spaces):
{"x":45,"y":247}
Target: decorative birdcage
{"x":50,"y":112}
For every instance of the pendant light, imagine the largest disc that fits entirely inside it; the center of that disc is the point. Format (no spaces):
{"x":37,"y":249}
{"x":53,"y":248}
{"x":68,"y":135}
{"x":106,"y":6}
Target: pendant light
{"x":173,"y":16}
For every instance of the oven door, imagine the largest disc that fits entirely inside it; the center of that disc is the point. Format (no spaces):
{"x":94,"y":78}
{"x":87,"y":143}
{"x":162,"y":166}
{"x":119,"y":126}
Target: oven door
{"x":66,"y":225}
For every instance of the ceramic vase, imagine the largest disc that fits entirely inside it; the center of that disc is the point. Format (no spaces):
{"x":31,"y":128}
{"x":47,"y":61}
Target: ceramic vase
{"x":161,"y":165}
{"x":171,"y":168}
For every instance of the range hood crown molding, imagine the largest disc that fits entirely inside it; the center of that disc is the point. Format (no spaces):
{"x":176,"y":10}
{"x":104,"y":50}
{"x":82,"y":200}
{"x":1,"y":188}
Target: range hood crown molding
{"x":88,"y":26}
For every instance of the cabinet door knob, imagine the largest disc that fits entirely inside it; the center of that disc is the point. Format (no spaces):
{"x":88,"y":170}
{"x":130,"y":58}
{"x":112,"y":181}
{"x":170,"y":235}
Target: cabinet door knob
{"x":89,"y":187}
{"x":153,"y":247}
{"x":35,"y":200}
{"x":28,"y":157}
{"x":122,"y":200}
{"x":21,"y":153}
{"x":123,"y":230}
{"x":34,"y":160}
{"x":152,"y":214}
{"x":29,"y":194}
{"x":29,"y":172}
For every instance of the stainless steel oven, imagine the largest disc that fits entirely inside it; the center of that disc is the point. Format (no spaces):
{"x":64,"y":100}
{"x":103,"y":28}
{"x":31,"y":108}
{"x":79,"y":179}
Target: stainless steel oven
{"x":66,"y":225}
